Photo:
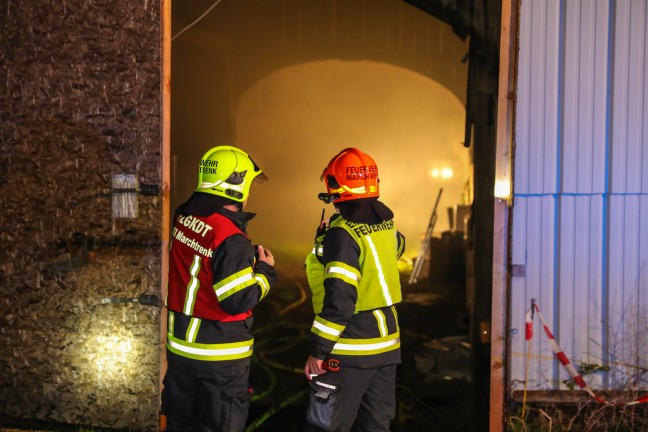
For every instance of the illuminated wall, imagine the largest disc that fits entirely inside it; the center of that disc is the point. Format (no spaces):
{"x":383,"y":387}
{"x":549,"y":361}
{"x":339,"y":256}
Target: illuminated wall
{"x":299,"y":117}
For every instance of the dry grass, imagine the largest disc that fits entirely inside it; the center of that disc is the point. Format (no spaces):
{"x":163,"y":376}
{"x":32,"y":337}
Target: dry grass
{"x":587,"y":417}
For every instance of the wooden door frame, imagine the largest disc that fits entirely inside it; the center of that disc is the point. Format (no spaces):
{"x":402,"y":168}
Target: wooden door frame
{"x":165,"y":112}
{"x":503,"y":195}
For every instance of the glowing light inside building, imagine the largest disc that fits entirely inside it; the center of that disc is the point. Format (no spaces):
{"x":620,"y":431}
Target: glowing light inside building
{"x":443,"y":173}
{"x":406,"y":149}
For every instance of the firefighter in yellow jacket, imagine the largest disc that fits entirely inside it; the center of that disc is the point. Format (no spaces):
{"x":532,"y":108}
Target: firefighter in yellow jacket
{"x":216,"y":278}
{"x":354,"y":342}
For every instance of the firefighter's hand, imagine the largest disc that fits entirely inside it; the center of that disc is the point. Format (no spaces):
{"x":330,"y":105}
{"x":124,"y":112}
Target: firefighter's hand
{"x":265,"y":255}
{"x":313,"y":367}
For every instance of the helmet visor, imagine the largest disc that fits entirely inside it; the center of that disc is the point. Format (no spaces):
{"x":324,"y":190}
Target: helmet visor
{"x":260,"y":177}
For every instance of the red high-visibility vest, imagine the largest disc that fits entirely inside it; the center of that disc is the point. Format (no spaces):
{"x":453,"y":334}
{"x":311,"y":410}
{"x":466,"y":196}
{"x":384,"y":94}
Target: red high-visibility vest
{"x":190,"y":288}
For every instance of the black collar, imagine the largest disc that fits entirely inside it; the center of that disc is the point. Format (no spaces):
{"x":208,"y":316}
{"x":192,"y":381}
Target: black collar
{"x":365,"y":210}
{"x":202,"y":204}
{"x":240,"y":218}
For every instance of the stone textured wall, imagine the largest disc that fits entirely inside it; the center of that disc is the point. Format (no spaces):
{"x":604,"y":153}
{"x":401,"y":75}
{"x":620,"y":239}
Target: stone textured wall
{"x":80,"y":103}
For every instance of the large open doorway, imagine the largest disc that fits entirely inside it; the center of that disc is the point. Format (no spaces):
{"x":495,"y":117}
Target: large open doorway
{"x":306,"y":82}
{"x":292,"y":84}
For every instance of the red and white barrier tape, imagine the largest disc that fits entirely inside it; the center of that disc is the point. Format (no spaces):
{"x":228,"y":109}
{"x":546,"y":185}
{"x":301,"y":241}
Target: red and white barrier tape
{"x":578,"y":379}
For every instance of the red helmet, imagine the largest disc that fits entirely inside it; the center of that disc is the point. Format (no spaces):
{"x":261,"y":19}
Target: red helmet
{"x":350,"y":175}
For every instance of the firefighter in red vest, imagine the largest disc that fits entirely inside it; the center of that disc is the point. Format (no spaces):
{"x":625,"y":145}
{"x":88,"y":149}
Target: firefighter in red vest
{"x":216,"y":278}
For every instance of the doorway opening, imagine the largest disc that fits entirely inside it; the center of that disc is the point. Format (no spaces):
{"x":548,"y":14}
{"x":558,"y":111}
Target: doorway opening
{"x":294,"y":83}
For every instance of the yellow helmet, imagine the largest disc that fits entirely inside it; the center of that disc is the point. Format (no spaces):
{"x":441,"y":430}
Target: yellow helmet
{"x":228,"y":172}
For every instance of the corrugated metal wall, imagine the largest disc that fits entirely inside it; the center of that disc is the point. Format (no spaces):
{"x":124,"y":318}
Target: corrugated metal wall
{"x":580,"y":216}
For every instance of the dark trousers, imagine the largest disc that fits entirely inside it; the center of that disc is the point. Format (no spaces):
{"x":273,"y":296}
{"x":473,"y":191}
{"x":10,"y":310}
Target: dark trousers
{"x":364,"y":400}
{"x":214,"y":402}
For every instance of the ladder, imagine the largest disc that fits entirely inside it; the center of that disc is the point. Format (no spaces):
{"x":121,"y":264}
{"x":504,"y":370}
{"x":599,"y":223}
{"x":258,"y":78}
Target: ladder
{"x":425,"y":245}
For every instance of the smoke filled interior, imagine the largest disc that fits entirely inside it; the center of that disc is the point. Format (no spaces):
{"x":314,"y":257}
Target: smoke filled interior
{"x":296,"y":82}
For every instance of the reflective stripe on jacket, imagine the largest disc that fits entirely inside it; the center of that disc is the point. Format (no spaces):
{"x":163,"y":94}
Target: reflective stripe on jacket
{"x":186,"y":344}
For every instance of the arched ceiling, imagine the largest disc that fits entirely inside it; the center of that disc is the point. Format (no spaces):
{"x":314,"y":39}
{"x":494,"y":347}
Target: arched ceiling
{"x":258,"y":37}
